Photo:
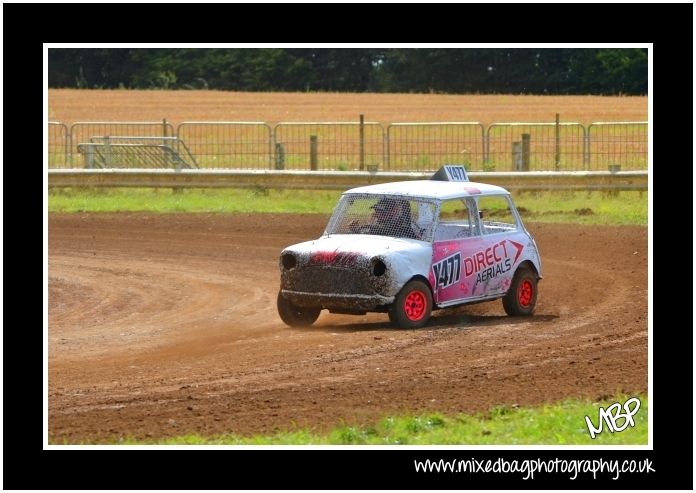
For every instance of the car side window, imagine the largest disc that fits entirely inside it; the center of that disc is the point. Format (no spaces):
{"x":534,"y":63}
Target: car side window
{"x":457,"y":220}
{"x":496,"y":214}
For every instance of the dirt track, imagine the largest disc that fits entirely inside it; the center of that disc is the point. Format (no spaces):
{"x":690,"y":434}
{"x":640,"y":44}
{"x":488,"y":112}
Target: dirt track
{"x":162,"y":325}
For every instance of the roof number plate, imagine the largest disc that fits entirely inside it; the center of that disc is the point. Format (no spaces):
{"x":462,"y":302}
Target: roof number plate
{"x":451,"y":172}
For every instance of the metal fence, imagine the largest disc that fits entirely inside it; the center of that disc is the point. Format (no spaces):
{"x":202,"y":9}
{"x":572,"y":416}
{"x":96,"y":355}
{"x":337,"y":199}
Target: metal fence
{"x":617,"y":143}
{"x":425,"y":146}
{"x":327,"y":146}
{"x":535,"y":147}
{"x":58,"y":145}
{"x":85,"y":132}
{"x":370,"y":146}
{"x":228,"y":145}
{"x":110,"y":152}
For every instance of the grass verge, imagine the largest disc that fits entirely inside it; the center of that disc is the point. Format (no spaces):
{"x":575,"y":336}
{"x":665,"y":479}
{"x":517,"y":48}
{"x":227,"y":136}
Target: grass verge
{"x":163,"y":200}
{"x":566,"y":207}
{"x":554,"y":424}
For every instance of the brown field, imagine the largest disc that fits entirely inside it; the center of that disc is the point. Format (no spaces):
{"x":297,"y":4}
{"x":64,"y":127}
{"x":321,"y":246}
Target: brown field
{"x":68,"y":106}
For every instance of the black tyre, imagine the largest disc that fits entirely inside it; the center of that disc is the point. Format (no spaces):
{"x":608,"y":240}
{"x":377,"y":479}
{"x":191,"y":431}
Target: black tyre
{"x":521,"y":297}
{"x":412,"y":306}
{"x":296,"y":316}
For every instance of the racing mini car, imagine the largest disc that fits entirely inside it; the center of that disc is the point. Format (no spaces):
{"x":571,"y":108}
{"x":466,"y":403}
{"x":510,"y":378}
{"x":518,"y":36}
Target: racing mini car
{"x":408,"y":248}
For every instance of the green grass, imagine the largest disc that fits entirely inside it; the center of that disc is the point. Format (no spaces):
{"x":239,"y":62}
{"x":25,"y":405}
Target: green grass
{"x":190,"y":200}
{"x":555,"y":424}
{"x":566,"y":207}
{"x":583,"y":207}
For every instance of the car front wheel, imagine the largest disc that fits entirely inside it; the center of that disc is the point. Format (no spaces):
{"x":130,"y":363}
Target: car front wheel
{"x":296,"y":316}
{"x":412,"y":306}
{"x":521,"y":297}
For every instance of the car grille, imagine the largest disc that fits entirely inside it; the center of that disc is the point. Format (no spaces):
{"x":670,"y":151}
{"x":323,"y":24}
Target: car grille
{"x":326,"y":279}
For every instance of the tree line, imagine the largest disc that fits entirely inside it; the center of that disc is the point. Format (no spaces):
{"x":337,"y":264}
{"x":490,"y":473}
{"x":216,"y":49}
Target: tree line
{"x":607,"y":71}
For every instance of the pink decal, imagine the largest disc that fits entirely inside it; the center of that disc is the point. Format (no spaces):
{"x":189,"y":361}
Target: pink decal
{"x":338,"y":259}
{"x":322,"y":257}
{"x":473,"y":267}
{"x":519,"y":247}
{"x":468,"y":266}
{"x":480,"y":260}
{"x":497,"y":257}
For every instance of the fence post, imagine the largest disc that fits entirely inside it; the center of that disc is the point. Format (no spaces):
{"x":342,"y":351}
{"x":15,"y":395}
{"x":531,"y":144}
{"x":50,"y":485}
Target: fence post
{"x":586,"y":154}
{"x":89,"y":164}
{"x":526,"y":147}
{"x":165,"y":142}
{"x":487,"y":146}
{"x":483,"y":145}
{"x":107,"y":152}
{"x":613,"y":168}
{"x":313,"y":161}
{"x":68,"y":148}
{"x":271,"y":142}
{"x":517,"y":156}
{"x":557,"y":155}
{"x":279,"y":156}
{"x":387,"y":150}
{"x":362,"y":142}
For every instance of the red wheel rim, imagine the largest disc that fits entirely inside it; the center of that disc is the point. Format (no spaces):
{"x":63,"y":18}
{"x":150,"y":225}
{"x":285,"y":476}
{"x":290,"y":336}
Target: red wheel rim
{"x":414,"y":305}
{"x":525,"y":293}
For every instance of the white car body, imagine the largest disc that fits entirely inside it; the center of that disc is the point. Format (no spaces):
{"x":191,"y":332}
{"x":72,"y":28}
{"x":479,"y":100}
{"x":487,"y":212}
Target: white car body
{"x":461,"y":260}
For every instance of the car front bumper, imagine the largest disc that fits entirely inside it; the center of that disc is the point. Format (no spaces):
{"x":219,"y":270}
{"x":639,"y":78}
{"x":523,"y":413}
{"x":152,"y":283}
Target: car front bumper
{"x":337,"y":301}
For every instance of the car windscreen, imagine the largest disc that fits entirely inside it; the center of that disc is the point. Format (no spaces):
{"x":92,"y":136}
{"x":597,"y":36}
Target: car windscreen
{"x":385,"y":215}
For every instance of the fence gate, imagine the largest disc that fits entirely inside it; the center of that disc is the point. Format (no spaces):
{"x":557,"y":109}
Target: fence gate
{"x":535,"y":147}
{"x":232,"y":145}
{"x":623,"y":144}
{"x":329,"y":146}
{"x":426,"y":146}
{"x":58,"y":145}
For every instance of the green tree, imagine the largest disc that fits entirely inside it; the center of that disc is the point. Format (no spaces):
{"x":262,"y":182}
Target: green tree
{"x":446,"y":70}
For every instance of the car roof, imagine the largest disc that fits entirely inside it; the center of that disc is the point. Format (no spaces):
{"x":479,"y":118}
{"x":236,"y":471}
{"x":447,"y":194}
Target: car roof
{"x":431,"y":189}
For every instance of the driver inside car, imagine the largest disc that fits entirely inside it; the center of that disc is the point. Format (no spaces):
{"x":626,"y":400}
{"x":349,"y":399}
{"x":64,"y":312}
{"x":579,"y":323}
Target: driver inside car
{"x":390,"y":217}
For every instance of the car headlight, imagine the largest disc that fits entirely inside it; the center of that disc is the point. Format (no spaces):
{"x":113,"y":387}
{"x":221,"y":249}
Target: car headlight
{"x":378,"y":267}
{"x":288,"y":260}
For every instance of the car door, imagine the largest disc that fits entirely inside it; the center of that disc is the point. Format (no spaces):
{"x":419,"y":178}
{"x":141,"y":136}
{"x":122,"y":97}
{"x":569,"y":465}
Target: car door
{"x":476,"y":246}
{"x":490,"y":267}
{"x":457,"y":232}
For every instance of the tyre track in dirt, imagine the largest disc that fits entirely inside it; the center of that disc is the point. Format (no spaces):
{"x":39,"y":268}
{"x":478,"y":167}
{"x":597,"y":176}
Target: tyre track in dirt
{"x":162,"y":325}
